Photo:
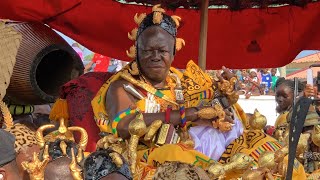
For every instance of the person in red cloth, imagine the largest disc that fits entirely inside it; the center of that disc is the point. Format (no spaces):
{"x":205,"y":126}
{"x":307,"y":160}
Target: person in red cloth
{"x":102,"y":63}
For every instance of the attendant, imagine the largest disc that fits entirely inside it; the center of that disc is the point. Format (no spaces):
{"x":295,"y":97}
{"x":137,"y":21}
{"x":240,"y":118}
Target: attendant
{"x":101,"y":63}
{"x":8,"y":165}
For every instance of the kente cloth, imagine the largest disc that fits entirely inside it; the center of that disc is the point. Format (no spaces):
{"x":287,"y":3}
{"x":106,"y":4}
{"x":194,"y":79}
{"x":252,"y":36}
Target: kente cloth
{"x":79,"y":93}
{"x":197,"y":91}
{"x":149,"y":159}
{"x":7,"y":152}
{"x":200,"y":92}
{"x":254,"y":143}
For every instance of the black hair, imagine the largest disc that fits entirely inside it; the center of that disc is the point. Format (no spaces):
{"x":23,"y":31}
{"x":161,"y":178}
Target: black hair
{"x":289,"y":83}
{"x":56,"y":152}
{"x":99,"y":164}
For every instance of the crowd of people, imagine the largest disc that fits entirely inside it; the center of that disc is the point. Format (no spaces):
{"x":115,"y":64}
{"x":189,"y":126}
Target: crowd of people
{"x":154,"y":121}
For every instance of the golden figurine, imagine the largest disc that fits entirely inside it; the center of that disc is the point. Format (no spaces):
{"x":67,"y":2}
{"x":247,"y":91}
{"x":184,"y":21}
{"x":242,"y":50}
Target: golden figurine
{"x":152,"y":130}
{"x":315,"y":135}
{"x":257,"y":174}
{"x":227,"y":88}
{"x":76,"y":171}
{"x":137,"y":128}
{"x":63,"y":133}
{"x":112,"y":142}
{"x":302,"y":146}
{"x":216,"y":171}
{"x":35,"y":168}
{"x":257,"y":121}
{"x":280,"y":168}
{"x":239,"y":163}
{"x":266,"y":159}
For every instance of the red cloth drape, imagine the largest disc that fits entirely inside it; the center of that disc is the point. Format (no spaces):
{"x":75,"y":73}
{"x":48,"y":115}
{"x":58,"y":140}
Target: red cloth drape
{"x":249,"y":38}
{"x":79,"y":93}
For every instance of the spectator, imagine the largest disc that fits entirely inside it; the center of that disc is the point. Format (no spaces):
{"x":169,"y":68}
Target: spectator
{"x":102,"y":63}
{"x":266,"y":80}
{"x":252,"y":84}
{"x":274,"y":77}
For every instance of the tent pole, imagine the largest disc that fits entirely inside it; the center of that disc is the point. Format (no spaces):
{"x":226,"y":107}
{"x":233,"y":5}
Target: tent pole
{"x":203,"y":34}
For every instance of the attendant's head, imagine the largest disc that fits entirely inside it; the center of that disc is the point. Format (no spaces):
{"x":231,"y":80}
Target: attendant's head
{"x":60,"y":152}
{"x":273,"y":71}
{"x":284,"y":90}
{"x":101,"y":165}
{"x":156,"y":44}
{"x":253,"y":73}
{"x":264,"y":71}
{"x":8,"y":166}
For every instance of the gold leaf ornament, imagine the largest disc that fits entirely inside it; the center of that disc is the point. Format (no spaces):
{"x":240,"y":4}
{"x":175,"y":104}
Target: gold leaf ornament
{"x":176,"y":20}
{"x":133,"y":35}
{"x":157,"y":8}
{"x":132,"y":52}
{"x":138,"y":19}
{"x":180,"y":43}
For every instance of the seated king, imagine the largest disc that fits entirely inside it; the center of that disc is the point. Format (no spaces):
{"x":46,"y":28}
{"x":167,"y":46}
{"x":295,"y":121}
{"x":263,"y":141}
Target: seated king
{"x":169,"y":115}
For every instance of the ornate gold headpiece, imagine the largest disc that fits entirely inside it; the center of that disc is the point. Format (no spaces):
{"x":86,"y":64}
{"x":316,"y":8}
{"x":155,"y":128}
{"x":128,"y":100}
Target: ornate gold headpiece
{"x":36,"y":168}
{"x":157,"y":19}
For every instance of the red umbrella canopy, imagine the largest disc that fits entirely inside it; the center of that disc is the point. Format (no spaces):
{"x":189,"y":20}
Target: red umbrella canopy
{"x":269,"y":37}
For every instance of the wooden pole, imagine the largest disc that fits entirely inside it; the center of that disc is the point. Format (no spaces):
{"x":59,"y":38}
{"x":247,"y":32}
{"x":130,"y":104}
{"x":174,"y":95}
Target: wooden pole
{"x":203,"y":34}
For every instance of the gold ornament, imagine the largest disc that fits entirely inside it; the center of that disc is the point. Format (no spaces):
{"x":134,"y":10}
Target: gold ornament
{"x":36,"y":168}
{"x":132,"y":52}
{"x":111,"y":142}
{"x":257,"y":121}
{"x":176,"y":20}
{"x":133,"y":35}
{"x":157,"y":8}
{"x":138,"y":19}
{"x":152,"y":130}
{"x":211,"y":112}
{"x":62,"y":133}
{"x":227,"y":88}
{"x":266,"y":159}
{"x":157,"y":17}
{"x":134,"y":70}
{"x":84,"y":136}
{"x":39,"y":134}
{"x":315,"y":135}
{"x":63,"y":147}
{"x":137,"y":128}
{"x":239,"y":163}
{"x":302,"y":145}
{"x":179,"y":44}
{"x":257,"y":174}
{"x":116,"y":159}
{"x":216,"y":171}
{"x":8,"y":121}
{"x":76,"y":172}
{"x":80,"y":155}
